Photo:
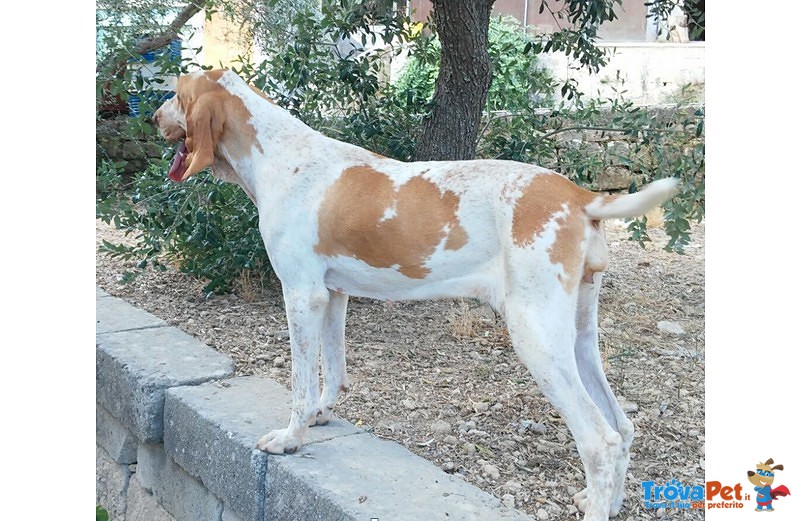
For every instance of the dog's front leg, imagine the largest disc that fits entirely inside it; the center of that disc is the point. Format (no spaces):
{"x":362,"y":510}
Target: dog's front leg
{"x":334,"y":367}
{"x":305,"y":310}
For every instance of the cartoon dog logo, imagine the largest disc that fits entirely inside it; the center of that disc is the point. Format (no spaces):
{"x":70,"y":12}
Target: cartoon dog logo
{"x":763,"y":478}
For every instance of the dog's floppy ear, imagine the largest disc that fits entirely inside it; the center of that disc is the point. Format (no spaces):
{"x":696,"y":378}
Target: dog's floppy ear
{"x":205,"y":120}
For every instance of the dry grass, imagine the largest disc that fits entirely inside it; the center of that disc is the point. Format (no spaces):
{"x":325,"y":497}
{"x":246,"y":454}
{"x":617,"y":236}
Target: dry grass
{"x":655,"y":218}
{"x":464,"y":321}
{"x":249,"y":286}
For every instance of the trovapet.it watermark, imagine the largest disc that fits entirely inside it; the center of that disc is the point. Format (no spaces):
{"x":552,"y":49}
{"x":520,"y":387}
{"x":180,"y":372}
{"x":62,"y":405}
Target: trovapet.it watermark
{"x":674,"y":494}
{"x":718,"y":495}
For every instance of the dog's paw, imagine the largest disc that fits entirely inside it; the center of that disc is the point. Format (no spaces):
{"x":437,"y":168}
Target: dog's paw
{"x":279,"y":441}
{"x":322,"y":417}
{"x":581,"y":500}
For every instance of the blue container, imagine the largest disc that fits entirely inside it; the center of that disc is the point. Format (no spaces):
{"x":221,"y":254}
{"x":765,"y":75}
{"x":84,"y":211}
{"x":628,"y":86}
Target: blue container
{"x":174,"y":49}
{"x":154,"y":97}
{"x":133,"y":105}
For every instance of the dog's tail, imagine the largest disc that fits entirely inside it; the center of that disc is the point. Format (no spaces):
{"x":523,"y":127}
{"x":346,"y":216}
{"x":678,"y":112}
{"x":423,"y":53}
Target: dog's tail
{"x":635,"y":204}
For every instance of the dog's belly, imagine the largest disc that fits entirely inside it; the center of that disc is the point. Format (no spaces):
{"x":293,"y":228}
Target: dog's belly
{"x":357,"y":278}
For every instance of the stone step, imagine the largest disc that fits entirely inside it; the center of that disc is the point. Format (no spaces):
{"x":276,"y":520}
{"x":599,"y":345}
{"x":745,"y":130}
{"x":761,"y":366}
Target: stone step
{"x":195,"y":427}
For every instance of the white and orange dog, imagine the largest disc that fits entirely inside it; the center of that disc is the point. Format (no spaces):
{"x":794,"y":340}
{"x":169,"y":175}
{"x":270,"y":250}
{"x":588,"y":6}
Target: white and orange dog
{"x":338,"y":220}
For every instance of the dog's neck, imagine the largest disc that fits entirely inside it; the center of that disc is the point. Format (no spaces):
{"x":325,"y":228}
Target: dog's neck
{"x":287,"y":149}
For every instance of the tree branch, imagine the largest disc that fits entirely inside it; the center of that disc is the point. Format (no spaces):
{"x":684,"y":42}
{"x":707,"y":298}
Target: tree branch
{"x":608,"y":129}
{"x":162,"y":40}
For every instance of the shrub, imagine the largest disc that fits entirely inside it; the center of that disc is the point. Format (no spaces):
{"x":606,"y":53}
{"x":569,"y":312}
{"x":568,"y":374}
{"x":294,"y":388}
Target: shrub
{"x":594,"y":136}
{"x":203,"y":227}
{"x":517,"y":82}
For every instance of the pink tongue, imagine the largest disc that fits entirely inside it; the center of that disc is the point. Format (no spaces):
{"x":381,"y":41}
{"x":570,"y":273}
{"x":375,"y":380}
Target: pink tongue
{"x":177,"y":169}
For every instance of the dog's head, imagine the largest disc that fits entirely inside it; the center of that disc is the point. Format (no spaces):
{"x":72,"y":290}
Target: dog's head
{"x":204,"y":112}
{"x":764,"y":474}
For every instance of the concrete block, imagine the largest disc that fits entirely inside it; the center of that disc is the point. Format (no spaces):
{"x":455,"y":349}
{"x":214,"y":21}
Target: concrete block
{"x":135,"y":166}
{"x":184,"y":497}
{"x":151,"y":462}
{"x":140,"y":149}
{"x":111,"y":484}
{"x":114,"y":437}
{"x":613,"y":178}
{"x":362,"y":477}
{"x":99,"y":292}
{"x":211,"y":431}
{"x":108,"y":148}
{"x":135,"y":367}
{"x":114,"y":314}
{"x":143,"y":505}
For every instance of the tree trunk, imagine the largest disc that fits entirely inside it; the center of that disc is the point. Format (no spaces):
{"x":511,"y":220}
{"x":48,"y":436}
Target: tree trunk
{"x":465,"y":72}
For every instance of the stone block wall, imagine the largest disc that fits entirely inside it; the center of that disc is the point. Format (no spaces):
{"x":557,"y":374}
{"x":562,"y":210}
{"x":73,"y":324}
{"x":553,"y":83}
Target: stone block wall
{"x":114,"y":142}
{"x":176,"y":430}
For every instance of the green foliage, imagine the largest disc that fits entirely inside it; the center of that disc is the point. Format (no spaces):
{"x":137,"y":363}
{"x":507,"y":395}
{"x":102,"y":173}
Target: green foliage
{"x":328,"y":67}
{"x":592,"y":136}
{"x":577,"y":22}
{"x":186,"y":225}
{"x":204,"y":227}
{"x":517,"y":82}
{"x":331,"y":69}
{"x":102,"y":514}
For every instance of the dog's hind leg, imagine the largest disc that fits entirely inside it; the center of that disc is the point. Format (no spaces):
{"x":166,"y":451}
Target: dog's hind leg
{"x":305,"y":310}
{"x":590,"y":367}
{"x":334,"y":367}
{"x":543,"y":333}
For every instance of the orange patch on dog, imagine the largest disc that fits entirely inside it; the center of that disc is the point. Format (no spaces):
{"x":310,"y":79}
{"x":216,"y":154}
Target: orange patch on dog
{"x":363,"y":216}
{"x":566,"y":248}
{"x":456,"y":238}
{"x":545,"y":196}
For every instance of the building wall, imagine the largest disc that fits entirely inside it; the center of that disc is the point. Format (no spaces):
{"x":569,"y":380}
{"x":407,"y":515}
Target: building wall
{"x":420,"y":9}
{"x":631,"y":25}
{"x":225,"y":42}
{"x":648,"y":72}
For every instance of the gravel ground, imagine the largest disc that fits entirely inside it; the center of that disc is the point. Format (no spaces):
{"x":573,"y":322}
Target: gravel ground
{"x":440,"y":377}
